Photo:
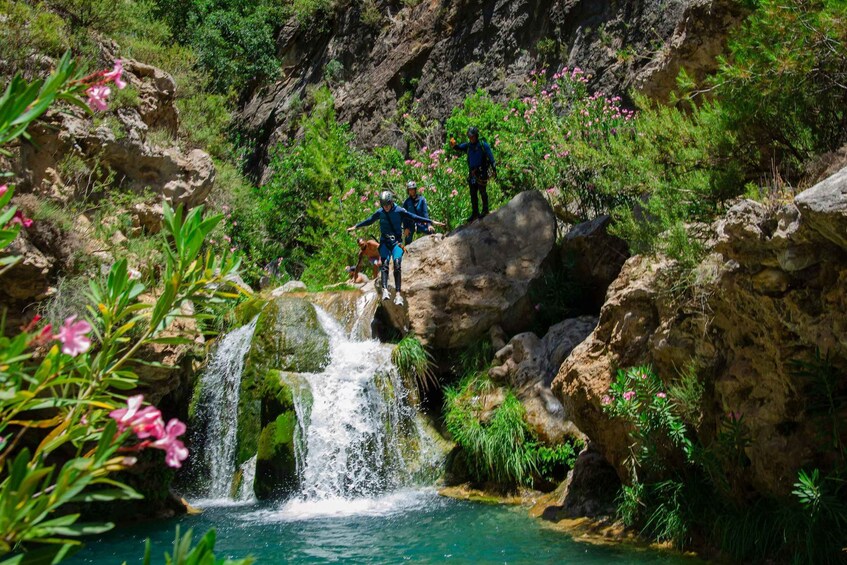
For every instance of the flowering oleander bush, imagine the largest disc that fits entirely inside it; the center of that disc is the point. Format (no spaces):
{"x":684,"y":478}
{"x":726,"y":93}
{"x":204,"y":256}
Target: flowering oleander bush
{"x":66,"y":424}
{"x":639,"y":397}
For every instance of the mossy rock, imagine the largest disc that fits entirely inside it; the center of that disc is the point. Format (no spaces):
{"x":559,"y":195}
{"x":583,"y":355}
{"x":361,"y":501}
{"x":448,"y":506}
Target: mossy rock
{"x":276,"y":464}
{"x":288,"y":339}
{"x":249,"y":309}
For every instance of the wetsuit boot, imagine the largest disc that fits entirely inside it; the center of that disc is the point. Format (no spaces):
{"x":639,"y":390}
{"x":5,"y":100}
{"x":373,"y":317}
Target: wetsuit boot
{"x":384,"y":277}
{"x":398,"y":300}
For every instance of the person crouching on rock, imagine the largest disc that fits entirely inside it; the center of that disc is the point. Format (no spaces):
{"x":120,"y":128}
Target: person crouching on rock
{"x":391,"y":218}
{"x":416,"y":204}
{"x":480,"y":162}
{"x":368,"y":251}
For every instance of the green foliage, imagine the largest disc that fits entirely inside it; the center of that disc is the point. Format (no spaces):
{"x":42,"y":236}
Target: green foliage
{"x":681,"y":487}
{"x":788,"y":99}
{"x":201,"y":554}
{"x":638,"y":397}
{"x":475,"y":357}
{"x":234,"y":39}
{"x":499,"y":447}
{"x":414,"y":362}
{"x":29,"y":31}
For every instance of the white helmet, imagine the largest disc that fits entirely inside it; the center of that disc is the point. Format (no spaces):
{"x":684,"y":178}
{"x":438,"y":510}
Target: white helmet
{"x":386,"y":198}
{"x":411,"y":185}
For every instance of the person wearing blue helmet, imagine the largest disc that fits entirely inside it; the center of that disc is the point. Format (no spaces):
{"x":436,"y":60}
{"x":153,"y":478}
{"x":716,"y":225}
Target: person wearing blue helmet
{"x":391,"y":218}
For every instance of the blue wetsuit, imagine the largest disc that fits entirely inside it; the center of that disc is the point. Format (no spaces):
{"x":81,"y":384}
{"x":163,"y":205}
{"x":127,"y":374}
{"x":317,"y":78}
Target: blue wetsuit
{"x":391,"y":234}
{"x":480,"y":159}
{"x":417,"y":206}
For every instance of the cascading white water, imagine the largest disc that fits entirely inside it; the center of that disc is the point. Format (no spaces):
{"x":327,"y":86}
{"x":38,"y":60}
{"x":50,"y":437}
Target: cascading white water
{"x":248,"y":474}
{"x":360,"y":415}
{"x":217,"y":409}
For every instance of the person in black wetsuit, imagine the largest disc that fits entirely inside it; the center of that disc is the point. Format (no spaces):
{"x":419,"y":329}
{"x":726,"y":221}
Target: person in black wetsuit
{"x":391,"y":218}
{"x":416,"y":204}
{"x":481,"y":167}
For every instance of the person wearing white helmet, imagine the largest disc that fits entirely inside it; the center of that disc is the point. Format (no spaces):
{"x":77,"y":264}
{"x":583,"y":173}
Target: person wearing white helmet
{"x":391,"y":218}
{"x":415,"y":203}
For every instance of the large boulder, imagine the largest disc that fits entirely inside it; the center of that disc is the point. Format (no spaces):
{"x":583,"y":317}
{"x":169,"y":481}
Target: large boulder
{"x":769,"y":295}
{"x":459,"y":286}
{"x":288,"y":339}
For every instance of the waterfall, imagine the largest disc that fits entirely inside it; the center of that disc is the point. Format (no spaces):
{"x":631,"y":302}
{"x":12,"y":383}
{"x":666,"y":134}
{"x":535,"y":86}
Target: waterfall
{"x":217,"y":409}
{"x":360,"y":417}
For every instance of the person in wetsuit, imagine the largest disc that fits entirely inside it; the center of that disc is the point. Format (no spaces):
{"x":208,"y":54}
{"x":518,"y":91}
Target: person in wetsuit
{"x":391,"y":218}
{"x":481,"y":167}
{"x":416,"y":204}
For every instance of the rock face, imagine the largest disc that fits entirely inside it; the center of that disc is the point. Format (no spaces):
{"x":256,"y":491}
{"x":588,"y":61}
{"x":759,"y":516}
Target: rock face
{"x":437,"y":53}
{"x":459,"y":286}
{"x":70,"y":152}
{"x":595,"y":258}
{"x":768,"y":295}
{"x":288,"y":339}
{"x":528,"y":364}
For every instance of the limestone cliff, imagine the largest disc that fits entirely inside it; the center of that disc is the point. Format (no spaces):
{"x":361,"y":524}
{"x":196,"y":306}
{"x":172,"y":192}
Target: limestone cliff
{"x":380,"y":57}
{"x":769,"y":294}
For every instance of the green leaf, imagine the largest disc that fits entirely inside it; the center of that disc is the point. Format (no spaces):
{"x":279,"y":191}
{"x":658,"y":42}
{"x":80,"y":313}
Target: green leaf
{"x":49,"y":555}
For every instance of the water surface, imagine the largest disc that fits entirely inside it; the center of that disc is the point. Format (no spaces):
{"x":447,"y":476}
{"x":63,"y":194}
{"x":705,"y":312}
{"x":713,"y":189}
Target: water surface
{"x":415,"y":526}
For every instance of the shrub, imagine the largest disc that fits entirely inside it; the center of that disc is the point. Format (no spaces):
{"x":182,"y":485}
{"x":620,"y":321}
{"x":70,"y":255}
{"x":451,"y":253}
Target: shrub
{"x":414,"y":362}
{"x":788,"y":102}
{"x":502,"y":449}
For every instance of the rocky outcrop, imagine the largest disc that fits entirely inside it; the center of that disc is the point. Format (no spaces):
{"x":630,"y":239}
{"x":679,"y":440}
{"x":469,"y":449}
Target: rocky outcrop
{"x":459,"y":286}
{"x":527,"y":364}
{"x":72,"y":156}
{"x":433,"y":54}
{"x":768,"y":295}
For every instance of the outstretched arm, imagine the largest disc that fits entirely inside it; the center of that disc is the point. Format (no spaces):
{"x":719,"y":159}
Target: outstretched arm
{"x":364,"y":223}
{"x":415,"y":217}
{"x":460,"y":147}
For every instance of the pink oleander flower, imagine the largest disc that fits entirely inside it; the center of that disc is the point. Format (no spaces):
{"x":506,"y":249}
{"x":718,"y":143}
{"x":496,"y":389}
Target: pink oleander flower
{"x":73,"y":338}
{"x":629,"y":395}
{"x":19,"y":218}
{"x":3,"y":189}
{"x":97,"y":96}
{"x":734,"y":416}
{"x":175,"y":450}
{"x":115,"y":75}
{"x":454,"y":193}
{"x":449,"y":170}
{"x":661,"y":395}
{"x":606,"y":400}
{"x":144,"y":422}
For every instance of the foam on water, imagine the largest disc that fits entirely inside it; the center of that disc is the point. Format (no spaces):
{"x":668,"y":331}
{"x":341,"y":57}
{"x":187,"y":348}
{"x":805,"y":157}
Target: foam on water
{"x":394,"y":503}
